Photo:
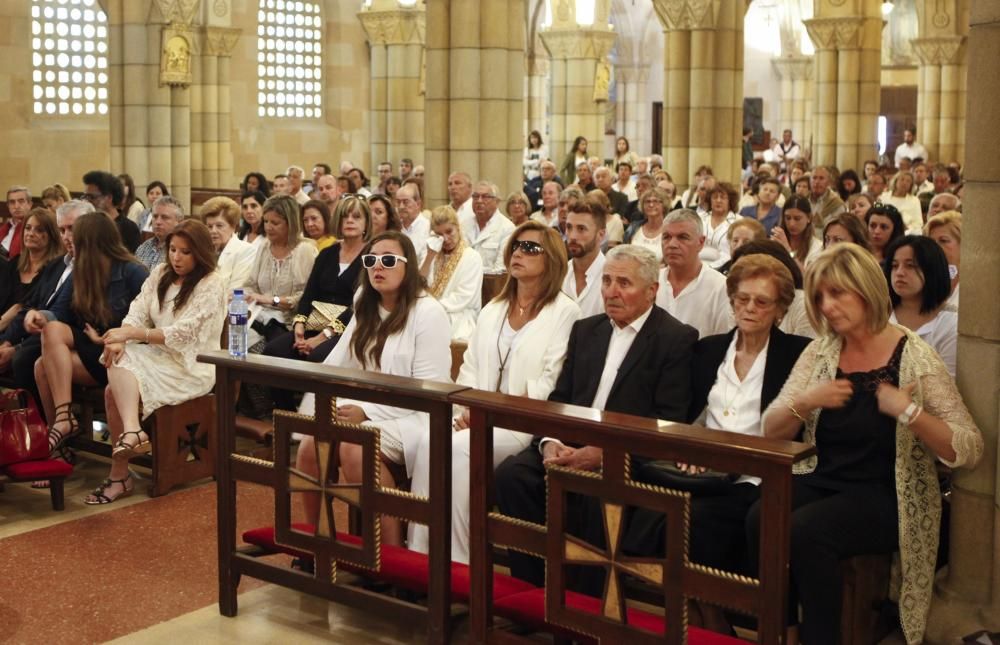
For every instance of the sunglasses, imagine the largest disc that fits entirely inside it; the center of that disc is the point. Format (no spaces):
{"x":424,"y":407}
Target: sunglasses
{"x":527,"y":247}
{"x":387,"y":261}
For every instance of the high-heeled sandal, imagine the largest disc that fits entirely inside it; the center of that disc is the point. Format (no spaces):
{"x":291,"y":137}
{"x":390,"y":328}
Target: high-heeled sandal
{"x":142,"y":447}
{"x":99,"y":496}
{"x":58,"y":438}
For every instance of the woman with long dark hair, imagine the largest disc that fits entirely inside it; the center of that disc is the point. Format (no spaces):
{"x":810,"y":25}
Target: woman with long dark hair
{"x":40,"y":244}
{"x":132,"y":207}
{"x":152,"y":357}
{"x":397,"y":329}
{"x":256,"y":182}
{"x":95,"y":298}
{"x":885,"y":226}
{"x":252,"y":208}
{"x":795,"y":230}
{"x":576,"y":156}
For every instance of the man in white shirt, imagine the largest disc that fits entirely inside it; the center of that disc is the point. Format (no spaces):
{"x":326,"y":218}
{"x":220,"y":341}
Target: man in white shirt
{"x":690,"y":291}
{"x":548,"y":214}
{"x":418,"y":229}
{"x":486,"y":229}
{"x":625,"y":184}
{"x":787,"y":150}
{"x":635,"y":359}
{"x":295,"y":184}
{"x":909,"y":149}
{"x":584,"y":235}
{"x":459,"y":193}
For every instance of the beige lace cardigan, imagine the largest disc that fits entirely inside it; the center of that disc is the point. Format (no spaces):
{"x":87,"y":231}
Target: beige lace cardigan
{"x":918,"y":494}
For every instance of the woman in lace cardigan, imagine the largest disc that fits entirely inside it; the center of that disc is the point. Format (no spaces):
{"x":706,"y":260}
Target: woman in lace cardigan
{"x":152,"y":358}
{"x":880,"y":407}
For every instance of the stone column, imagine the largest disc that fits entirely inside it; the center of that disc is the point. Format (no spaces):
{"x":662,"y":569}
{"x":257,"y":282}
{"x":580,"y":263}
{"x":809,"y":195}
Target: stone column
{"x":475,"y":93}
{"x":941,"y":86}
{"x":218,"y":164}
{"x":579,"y":57}
{"x":796,"y":74}
{"x":536,"y":86}
{"x":848,"y":39}
{"x":703,"y":86}
{"x":151,"y":97}
{"x":396,"y":37}
{"x":633,"y":109}
{"x":967,"y":596}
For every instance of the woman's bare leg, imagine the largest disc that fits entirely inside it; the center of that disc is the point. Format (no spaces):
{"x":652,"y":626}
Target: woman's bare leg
{"x":119,"y":466}
{"x":124,"y":390}
{"x":350,"y":463}
{"x":305,"y":461}
{"x":62,"y":368}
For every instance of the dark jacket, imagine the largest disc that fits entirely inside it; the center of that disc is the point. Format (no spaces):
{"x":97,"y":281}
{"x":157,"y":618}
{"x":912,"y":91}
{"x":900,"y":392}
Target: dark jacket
{"x":124,"y":285}
{"x":327,"y":283}
{"x":619,"y":202}
{"x":654,"y":379}
{"x":129,"y":232}
{"x":782,"y":352}
{"x":42,"y":288}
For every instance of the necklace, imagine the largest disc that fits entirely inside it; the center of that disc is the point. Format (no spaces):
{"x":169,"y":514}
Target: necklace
{"x":727,"y":405}
{"x":501,"y":356}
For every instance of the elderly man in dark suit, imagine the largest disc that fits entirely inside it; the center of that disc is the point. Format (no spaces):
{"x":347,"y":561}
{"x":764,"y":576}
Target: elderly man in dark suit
{"x":635,"y":359}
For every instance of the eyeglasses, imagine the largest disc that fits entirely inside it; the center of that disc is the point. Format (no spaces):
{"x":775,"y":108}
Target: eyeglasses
{"x":483,"y":196}
{"x":387,"y":261}
{"x":527,"y":247}
{"x":743,"y":299}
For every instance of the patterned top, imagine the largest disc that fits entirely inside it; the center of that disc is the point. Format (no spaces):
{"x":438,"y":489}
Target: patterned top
{"x":152,"y":252}
{"x":917,"y":490}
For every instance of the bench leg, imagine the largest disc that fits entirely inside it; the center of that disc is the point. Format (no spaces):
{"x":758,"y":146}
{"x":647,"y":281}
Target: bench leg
{"x":56,"y":493}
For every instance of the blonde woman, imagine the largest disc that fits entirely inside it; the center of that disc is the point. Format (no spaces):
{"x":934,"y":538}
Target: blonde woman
{"x":454,"y":272}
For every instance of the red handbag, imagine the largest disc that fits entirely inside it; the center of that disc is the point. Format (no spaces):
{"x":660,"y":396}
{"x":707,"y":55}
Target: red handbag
{"x":23,"y":434}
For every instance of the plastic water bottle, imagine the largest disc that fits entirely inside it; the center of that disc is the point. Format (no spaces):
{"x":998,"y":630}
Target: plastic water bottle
{"x":238,"y":325}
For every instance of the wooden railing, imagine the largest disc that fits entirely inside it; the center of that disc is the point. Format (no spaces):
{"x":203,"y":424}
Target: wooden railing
{"x":674,"y":578}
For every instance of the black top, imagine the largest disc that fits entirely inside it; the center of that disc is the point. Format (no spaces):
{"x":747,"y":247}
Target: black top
{"x":326,"y":283}
{"x":12,"y":290}
{"x":129,"y":232}
{"x":856,"y":444}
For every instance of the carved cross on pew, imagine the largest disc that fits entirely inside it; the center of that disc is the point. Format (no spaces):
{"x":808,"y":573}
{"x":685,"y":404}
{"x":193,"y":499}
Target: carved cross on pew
{"x":563,"y":550}
{"x":190,"y":442}
{"x":324,"y":540}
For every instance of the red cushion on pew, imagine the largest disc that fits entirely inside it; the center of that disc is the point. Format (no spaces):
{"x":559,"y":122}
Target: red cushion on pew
{"x":528,"y":608}
{"x":38,"y":469}
{"x":400,"y":567}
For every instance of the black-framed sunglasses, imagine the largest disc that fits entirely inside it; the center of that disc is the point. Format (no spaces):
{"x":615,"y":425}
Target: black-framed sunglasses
{"x":527,"y":247}
{"x":387,"y":261}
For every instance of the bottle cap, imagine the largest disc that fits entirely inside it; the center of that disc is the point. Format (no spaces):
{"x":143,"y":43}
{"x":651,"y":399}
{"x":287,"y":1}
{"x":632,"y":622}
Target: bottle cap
{"x":237,"y":292}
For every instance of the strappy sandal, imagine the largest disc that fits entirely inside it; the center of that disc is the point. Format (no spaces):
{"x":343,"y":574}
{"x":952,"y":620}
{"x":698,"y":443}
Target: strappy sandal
{"x":142,"y":447}
{"x":98,"y":496}
{"x":58,"y":438}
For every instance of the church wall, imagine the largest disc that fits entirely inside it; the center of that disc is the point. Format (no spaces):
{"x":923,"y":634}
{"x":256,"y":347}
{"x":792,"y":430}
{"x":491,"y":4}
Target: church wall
{"x":40,"y":150}
{"x":271,"y":145}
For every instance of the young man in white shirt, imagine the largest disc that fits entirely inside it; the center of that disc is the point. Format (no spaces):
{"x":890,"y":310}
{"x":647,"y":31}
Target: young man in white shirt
{"x":909,"y":149}
{"x":690,"y":291}
{"x":584,"y":235}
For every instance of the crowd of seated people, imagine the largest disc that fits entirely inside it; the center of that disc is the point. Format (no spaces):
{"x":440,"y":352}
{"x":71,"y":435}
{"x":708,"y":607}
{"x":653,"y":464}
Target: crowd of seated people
{"x":804,"y":303}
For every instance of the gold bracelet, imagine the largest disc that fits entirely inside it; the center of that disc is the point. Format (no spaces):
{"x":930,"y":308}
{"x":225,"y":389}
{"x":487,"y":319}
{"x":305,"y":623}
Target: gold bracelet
{"x":795,"y":413}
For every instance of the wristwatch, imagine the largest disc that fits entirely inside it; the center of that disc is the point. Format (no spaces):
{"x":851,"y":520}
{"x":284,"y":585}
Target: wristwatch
{"x":276,"y":301}
{"x":328,"y":332}
{"x":909,"y":414}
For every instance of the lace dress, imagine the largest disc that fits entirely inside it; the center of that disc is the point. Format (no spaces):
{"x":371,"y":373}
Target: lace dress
{"x":170,"y":373}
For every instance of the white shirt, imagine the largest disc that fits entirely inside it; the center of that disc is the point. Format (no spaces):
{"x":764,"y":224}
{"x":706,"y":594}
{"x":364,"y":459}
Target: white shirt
{"x":418,"y":232}
{"x":9,"y":238}
{"x":703,"y":303}
{"x":628,"y":190}
{"x":941,"y":333}
{"x":489,"y":241}
{"x":465,"y":210}
{"x":734,"y":405}
{"x":621,"y":341}
{"x":553,"y":221}
{"x":716,"y":251}
{"x":911,"y":151}
{"x":301,"y":197}
{"x":654,"y":244}
{"x":589,"y":300}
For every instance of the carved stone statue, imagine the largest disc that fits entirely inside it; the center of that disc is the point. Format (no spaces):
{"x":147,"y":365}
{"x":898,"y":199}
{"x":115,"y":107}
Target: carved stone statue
{"x":602,"y":81}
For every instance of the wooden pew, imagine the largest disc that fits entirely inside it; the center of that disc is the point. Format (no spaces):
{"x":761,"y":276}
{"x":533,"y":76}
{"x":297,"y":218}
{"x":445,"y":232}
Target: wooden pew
{"x":329,"y":544}
{"x":673,"y":578}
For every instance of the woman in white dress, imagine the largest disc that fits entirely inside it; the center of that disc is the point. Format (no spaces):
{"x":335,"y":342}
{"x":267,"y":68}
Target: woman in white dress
{"x":919,"y":285}
{"x":396,"y":329}
{"x":152,"y":358}
{"x":518,"y":348}
{"x":222,"y":215}
{"x":454,"y":272}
